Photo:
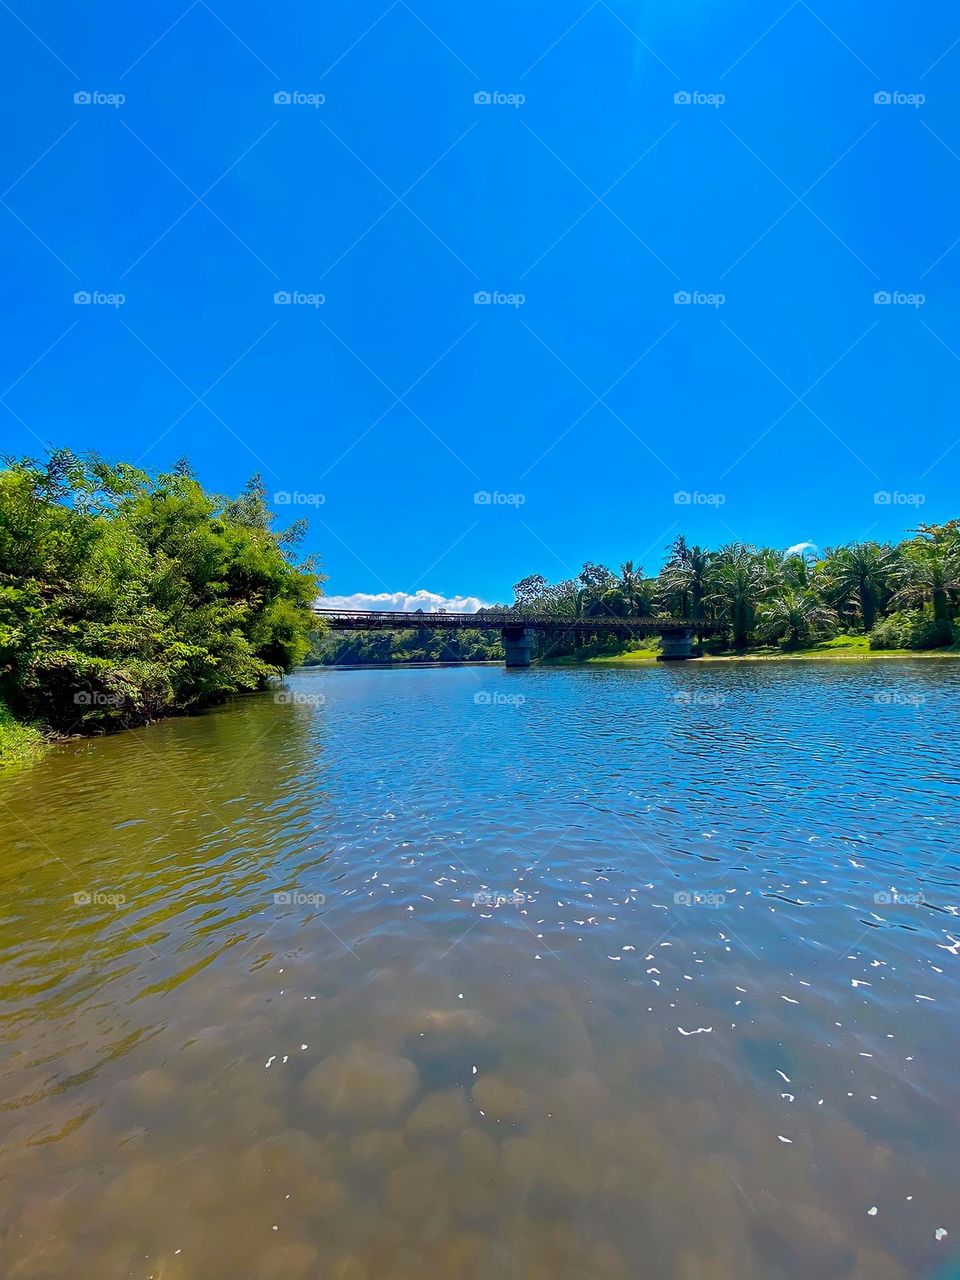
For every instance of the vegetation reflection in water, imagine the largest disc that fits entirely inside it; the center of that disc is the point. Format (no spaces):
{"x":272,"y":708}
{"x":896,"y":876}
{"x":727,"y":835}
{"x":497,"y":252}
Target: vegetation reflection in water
{"x":470,"y":973}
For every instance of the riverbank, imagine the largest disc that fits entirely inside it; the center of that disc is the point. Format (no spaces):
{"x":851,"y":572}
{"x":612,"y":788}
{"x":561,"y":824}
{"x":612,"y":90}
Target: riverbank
{"x":840,"y":647}
{"x":391,"y":666}
{"x":18,"y":742}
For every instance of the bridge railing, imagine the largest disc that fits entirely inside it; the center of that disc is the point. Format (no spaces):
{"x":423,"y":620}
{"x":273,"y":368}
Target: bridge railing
{"x":490,"y":619}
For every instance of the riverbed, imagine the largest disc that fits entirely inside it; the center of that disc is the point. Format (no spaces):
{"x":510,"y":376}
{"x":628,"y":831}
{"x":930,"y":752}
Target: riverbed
{"x":595,"y":973}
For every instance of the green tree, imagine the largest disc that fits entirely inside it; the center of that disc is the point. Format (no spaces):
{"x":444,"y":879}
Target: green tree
{"x":684,"y":583}
{"x":125,"y":597}
{"x":794,"y":615}
{"x":861,"y":573}
{"x":736,"y":586}
{"x":530,"y":592}
{"x":629,"y":596}
{"x":929,"y":570}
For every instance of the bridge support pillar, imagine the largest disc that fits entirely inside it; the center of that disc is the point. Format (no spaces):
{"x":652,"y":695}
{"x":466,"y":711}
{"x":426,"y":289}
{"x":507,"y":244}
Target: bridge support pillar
{"x":517,"y":644}
{"x":676,"y":645}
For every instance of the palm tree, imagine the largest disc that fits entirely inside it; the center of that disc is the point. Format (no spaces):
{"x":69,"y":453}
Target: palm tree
{"x":929,"y":572}
{"x":628,"y":596}
{"x":631,"y":582}
{"x":684,"y":582}
{"x":736,"y":586}
{"x":793,"y":615}
{"x":796,"y":572}
{"x":862,"y":572}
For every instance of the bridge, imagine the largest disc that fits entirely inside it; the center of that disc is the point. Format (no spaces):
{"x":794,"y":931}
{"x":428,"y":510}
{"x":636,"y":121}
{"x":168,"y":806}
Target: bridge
{"x":518,"y":627}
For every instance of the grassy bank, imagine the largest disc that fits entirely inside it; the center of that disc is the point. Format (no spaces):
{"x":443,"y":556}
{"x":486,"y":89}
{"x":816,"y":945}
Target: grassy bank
{"x":18,"y":742}
{"x":646,"y":654}
{"x":842,"y":646}
{"x":855,"y":651}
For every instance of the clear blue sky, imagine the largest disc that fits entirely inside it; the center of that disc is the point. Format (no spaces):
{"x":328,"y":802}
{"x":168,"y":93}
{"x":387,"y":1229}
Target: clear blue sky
{"x":598,"y":198}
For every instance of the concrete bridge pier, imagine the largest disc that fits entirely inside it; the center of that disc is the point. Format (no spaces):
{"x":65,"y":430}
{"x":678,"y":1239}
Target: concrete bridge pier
{"x":676,"y":645}
{"x":517,"y":644}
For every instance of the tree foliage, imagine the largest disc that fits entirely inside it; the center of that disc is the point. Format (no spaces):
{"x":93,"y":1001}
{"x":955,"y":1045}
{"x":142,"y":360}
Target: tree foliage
{"x":906,"y":595}
{"x":125,"y":597}
{"x":364,"y":648}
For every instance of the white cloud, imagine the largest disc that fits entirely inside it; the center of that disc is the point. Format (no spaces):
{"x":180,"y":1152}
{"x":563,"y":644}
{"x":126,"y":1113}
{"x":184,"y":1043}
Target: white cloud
{"x":404,"y":602}
{"x":801,"y":549}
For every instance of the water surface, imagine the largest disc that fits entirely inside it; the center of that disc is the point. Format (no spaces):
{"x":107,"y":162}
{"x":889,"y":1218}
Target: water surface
{"x":468,"y":973}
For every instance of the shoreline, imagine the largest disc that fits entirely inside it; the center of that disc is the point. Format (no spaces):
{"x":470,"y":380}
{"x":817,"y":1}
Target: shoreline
{"x":635,"y":657}
{"x":396,"y":666}
{"x":23,"y":744}
{"x":838,"y":654}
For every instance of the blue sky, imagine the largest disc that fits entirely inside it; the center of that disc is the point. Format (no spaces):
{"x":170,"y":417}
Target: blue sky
{"x":583,"y":196}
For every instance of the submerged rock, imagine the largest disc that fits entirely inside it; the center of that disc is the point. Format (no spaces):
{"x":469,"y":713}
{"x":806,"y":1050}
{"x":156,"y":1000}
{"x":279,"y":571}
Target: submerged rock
{"x":348,"y":1268}
{"x":290,"y":1154}
{"x":521,"y":1158}
{"x":480,"y":1156}
{"x":153,"y":1088}
{"x":449,"y":1034}
{"x":499,"y":1100}
{"x":439,"y":1115}
{"x":460,"y":1024}
{"x":377,"y":1149}
{"x":46,"y":1259}
{"x":414,"y":1188}
{"x":136,"y":1188}
{"x":319,"y":1197}
{"x":289,"y":1262}
{"x":172,"y":1269}
{"x":693,"y":1266}
{"x":362,"y":1085}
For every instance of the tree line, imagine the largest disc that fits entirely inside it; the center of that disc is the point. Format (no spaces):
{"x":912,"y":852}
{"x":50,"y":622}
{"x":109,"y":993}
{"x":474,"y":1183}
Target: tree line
{"x":902,"y":596}
{"x":420,"y":644}
{"x":899,"y":596}
{"x":125,"y":597}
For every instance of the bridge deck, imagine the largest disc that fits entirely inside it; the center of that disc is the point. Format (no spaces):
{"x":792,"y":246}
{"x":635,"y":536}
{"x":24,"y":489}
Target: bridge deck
{"x":496,"y":620}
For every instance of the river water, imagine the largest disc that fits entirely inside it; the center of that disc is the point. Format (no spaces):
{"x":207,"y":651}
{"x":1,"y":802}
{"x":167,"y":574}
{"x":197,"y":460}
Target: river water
{"x":643,"y":973}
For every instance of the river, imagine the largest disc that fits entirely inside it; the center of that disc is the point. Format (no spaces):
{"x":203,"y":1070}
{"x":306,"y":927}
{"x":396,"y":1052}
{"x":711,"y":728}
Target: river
{"x":608,"y":974}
